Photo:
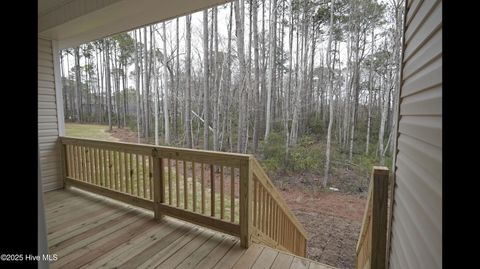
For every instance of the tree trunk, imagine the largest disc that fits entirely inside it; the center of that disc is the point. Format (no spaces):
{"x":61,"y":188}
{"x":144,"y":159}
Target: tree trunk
{"x":238,"y":5}
{"x":205,"y":79}
{"x":109,"y":89}
{"x":256,"y":77}
{"x":271,"y":64}
{"x":137,"y":86}
{"x":330,"y":97}
{"x":78,"y":85}
{"x":188,"y":93}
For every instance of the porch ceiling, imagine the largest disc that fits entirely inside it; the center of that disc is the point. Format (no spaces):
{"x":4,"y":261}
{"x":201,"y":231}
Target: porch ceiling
{"x":78,"y":21}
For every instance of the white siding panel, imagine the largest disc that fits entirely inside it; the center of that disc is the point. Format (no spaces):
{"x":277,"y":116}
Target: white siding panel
{"x":46,"y":98}
{"x":47,"y":119}
{"x":416,"y":227}
{"x":45,"y":63}
{"x":413,"y":9}
{"x":419,"y":18}
{"x":428,"y":77}
{"x":47,"y":112}
{"x":429,"y":51}
{"x":427,"y":102}
{"x":47,"y":84}
{"x":45,"y":70}
{"x":426,"y":155}
{"x":424,"y":32}
{"x":46,"y":91}
{"x":425,"y":128}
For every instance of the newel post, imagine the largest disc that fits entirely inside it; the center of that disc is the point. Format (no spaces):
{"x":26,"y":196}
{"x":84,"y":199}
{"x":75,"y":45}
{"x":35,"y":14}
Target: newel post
{"x":379,"y":217}
{"x":246,"y":188}
{"x":158,"y":178}
{"x":63,"y":156}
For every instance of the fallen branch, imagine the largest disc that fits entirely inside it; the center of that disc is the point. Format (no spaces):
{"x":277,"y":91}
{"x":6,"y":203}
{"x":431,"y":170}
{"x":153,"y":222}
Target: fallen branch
{"x":200,"y":118}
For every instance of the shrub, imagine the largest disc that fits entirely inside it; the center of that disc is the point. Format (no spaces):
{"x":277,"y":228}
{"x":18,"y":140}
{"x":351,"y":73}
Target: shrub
{"x":307,"y":156}
{"x":273,"y":153}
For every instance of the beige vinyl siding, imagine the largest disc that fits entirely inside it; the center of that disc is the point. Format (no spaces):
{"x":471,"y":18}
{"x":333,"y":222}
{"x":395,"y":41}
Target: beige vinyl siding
{"x":416,"y":231}
{"x":47,"y":119}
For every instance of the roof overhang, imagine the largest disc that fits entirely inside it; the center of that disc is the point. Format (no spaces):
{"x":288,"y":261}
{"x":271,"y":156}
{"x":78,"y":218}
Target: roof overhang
{"x":80,"y":21}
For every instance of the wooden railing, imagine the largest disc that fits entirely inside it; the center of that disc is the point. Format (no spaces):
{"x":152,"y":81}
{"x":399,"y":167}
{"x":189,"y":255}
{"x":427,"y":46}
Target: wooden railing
{"x":273,"y":223}
{"x":371,"y":245}
{"x":224,"y":191}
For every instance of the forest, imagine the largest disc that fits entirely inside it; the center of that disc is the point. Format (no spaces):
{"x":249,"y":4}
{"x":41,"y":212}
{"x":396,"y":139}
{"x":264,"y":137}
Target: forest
{"x":305,"y":85}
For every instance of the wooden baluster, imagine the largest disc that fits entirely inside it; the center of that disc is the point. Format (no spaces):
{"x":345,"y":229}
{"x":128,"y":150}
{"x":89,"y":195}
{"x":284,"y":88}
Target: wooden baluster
{"x":232,"y":194}
{"x":274,"y":210}
{"x":107,"y":167}
{"x":150,"y":177}
{"x":74,"y":163}
{"x":67,"y":160}
{"x":222,"y":206}
{"x":84,"y":164}
{"x":104,"y":168}
{"x":114,"y":169}
{"x":169,"y":181}
{"x":137,"y":175}
{"x":202,"y":183}
{"x":260,"y":207}
{"x":177,"y":184}
{"x":111,"y":170}
{"x":125,"y":173}
{"x":144,"y":181}
{"x":255,"y":218}
{"x":97,"y":167}
{"x":111,"y":174}
{"x":118,"y":179}
{"x":90,"y":165}
{"x":121,"y":159}
{"x":212,"y":191}
{"x":87,"y":164}
{"x":100,"y":167}
{"x":156,"y":165}
{"x":78,"y":167}
{"x":128,"y":180}
{"x":185,"y":185}
{"x":194,"y":188}
{"x":264,"y":209}
{"x":269,"y":215}
{"x":84,"y":168}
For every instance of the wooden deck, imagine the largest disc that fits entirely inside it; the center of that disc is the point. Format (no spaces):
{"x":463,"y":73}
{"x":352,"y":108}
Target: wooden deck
{"x":91,"y":231}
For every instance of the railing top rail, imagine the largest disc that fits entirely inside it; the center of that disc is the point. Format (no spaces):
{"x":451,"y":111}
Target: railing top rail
{"x":70,"y":139}
{"x":278,"y":197}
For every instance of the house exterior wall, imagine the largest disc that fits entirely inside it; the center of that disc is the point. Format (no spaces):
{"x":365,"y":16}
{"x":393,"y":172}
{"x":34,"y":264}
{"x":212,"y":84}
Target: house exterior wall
{"x":416,"y":227}
{"x":48,"y":118}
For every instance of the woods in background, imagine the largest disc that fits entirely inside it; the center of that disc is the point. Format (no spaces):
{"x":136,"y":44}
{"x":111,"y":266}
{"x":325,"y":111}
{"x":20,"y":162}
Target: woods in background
{"x":249,"y":76}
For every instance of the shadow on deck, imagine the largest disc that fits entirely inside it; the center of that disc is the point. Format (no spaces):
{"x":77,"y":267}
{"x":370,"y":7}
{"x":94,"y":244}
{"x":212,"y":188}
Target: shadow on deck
{"x":91,"y":231}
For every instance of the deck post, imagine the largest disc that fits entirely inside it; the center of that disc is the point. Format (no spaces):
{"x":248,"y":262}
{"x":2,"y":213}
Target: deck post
{"x":63,"y":156}
{"x":246,"y":180}
{"x":158,"y":178}
{"x":379,"y":217}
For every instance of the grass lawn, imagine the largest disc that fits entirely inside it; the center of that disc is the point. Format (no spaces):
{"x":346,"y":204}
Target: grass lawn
{"x":92,"y":131}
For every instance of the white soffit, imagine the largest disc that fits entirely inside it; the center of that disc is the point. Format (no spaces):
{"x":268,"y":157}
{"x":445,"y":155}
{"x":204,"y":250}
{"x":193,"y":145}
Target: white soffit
{"x":111,"y":17}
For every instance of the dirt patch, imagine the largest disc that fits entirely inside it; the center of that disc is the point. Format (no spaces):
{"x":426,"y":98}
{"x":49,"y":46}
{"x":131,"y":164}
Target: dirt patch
{"x":332,"y":221}
{"x":125,"y":135}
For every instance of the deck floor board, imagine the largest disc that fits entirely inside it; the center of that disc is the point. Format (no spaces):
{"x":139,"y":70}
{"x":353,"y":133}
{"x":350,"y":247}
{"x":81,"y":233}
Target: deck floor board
{"x":90,"y":231}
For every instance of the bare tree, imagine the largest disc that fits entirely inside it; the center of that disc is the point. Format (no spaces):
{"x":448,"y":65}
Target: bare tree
{"x":188,"y":93}
{"x":330,"y":96}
